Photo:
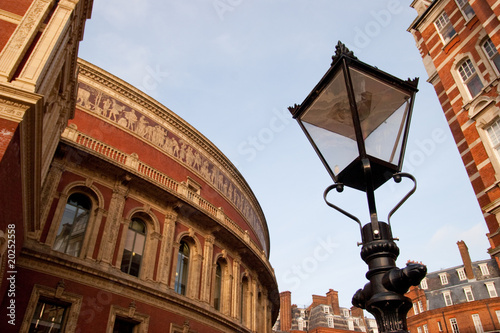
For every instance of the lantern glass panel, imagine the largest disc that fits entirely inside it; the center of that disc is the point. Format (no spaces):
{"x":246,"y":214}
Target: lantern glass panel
{"x":383,"y":111}
{"x":328,"y":123}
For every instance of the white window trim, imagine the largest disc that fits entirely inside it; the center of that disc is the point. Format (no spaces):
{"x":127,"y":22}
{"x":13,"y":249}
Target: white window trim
{"x":443,"y":278}
{"x":447,"y":293}
{"x":420,"y":306}
{"x":423,"y":284}
{"x":484,"y":269}
{"x":484,"y":112}
{"x":478,"y":325}
{"x":454,"y":320}
{"x":461,"y":274}
{"x":487,"y":61}
{"x":461,"y":85}
{"x":463,"y":13}
{"x":468,"y":289}
{"x":492,"y":291}
{"x":439,"y":32}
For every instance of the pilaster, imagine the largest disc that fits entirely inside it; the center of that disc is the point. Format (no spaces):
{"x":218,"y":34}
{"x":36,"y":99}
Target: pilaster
{"x":208,"y":253}
{"x":110,"y":234}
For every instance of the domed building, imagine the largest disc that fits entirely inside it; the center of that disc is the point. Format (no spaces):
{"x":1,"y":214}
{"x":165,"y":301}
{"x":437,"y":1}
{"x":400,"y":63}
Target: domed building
{"x":135,"y":222}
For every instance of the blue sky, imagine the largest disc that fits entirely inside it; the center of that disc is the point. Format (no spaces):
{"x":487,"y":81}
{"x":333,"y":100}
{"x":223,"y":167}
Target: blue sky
{"x":232,"y":67}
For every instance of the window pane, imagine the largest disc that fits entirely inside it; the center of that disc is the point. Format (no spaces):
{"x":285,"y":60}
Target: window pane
{"x":181,"y":275}
{"x":475,"y":85}
{"x":477,"y":323}
{"x":454,"y":325}
{"x":466,"y":9}
{"x":140,"y":240}
{"x":445,"y":28}
{"x":123,"y":326}
{"x":470,"y":77}
{"x":73,"y":225}
{"x":48,"y":317}
{"x":134,"y":247}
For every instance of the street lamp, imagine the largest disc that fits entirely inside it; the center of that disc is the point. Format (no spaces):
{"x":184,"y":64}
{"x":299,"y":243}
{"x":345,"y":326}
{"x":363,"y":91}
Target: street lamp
{"x":357,"y":119}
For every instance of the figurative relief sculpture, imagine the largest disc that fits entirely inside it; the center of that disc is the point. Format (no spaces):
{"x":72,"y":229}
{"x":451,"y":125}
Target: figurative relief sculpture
{"x":98,"y":102}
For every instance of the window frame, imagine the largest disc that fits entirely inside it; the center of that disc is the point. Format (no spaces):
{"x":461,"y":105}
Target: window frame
{"x":454,"y":325}
{"x":491,"y":53}
{"x":130,"y":313}
{"x":423,"y":284}
{"x":477,"y":323}
{"x":484,"y":266}
{"x":60,"y":227}
{"x":469,"y":76}
{"x":463,"y":7}
{"x":73,"y":301}
{"x":443,"y":24}
{"x":467,"y":291}
{"x":448,"y":301}
{"x":461,"y":274}
{"x":444,"y":278}
{"x":135,"y":234}
{"x":490,"y":287}
{"x":182,"y":269}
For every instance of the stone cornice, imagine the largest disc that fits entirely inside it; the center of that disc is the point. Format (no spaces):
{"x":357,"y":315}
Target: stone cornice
{"x":90,"y":74}
{"x":114,"y":281}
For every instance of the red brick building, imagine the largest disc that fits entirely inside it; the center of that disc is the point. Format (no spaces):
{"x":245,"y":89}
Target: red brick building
{"x":125,"y":217}
{"x":458,"y":41}
{"x":457,"y":299}
{"x":323,"y":315}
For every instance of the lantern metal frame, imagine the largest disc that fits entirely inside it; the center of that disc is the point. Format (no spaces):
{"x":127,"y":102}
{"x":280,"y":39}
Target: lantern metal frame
{"x":383,"y":295}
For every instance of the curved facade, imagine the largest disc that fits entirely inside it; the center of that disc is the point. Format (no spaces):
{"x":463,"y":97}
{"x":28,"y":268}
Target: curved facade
{"x":145,"y":225}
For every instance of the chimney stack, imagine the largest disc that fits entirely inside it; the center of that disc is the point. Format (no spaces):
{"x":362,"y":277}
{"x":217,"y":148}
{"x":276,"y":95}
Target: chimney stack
{"x":286,"y":311}
{"x":332,"y":297}
{"x":464,"y":252}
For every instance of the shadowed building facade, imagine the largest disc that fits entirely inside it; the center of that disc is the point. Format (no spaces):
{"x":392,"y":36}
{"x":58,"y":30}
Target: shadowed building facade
{"x":126,"y":218}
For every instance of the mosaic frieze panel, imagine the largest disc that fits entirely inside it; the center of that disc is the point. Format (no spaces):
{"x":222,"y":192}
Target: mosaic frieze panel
{"x":98,"y":102}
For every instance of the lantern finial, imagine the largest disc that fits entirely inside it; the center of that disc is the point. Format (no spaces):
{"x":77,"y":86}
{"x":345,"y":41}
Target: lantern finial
{"x":341,"y":49}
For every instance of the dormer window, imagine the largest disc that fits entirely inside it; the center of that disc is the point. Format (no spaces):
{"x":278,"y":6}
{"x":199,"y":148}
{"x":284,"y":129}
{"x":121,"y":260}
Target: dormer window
{"x":461,"y":274}
{"x":444,"y":278}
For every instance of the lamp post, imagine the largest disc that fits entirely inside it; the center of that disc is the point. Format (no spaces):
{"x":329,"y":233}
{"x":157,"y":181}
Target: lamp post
{"x":357,"y":119}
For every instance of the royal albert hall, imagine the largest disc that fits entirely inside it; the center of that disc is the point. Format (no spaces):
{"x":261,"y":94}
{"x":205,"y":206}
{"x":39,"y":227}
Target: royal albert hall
{"x":145,"y":225}
{"x":116,"y":214}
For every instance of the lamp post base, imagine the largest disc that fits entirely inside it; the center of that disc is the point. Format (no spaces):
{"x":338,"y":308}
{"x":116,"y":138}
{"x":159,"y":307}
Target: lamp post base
{"x":384,"y":296}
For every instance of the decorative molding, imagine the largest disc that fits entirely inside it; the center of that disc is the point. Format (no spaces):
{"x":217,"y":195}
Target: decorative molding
{"x":134,"y":104}
{"x":117,"y":157}
{"x":13,"y":51}
{"x":13,"y":111}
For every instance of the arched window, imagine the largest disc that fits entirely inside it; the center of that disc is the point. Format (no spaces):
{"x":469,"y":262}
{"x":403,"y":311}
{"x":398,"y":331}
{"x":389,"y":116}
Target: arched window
{"x":181,"y":274}
{"x":244,"y":301}
{"x":218,"y":286}
{"x":73,"y":225}
{"x":470,"y":78}
{"x":134,"y":247}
